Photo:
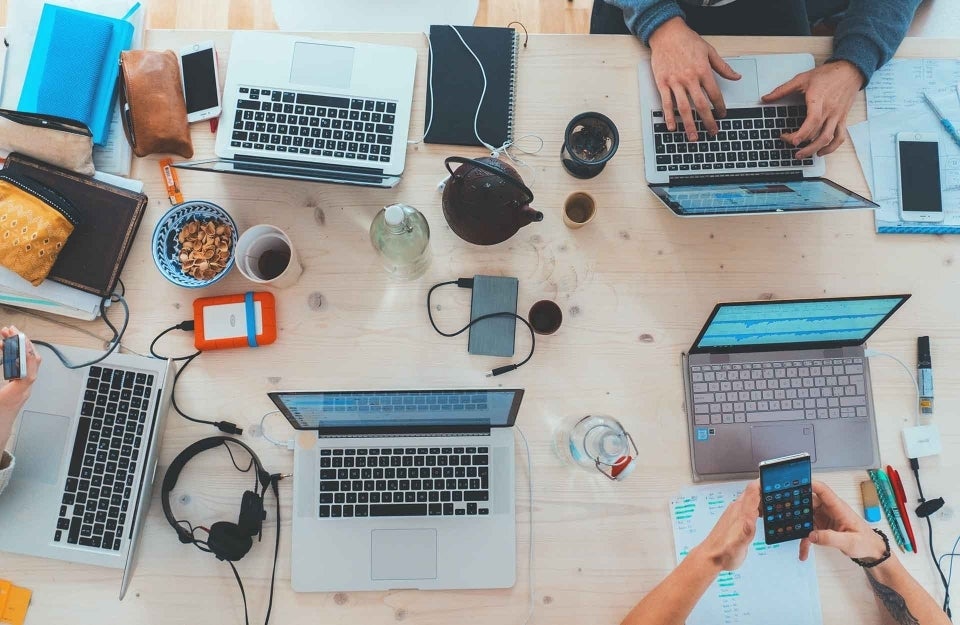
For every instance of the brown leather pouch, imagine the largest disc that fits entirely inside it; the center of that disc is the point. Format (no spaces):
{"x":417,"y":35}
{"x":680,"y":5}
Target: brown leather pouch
{"x":151,"y":99}
{"x":35,"y":223}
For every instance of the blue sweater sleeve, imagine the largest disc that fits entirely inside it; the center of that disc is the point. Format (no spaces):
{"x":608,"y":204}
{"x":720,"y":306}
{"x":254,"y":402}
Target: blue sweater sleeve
{"x":870,"y":31}
{"x":645,"y":16}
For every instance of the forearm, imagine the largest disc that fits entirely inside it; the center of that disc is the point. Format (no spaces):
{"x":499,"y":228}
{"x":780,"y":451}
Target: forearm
{"x":643,"y":17}
{"x":904,"y":599}
{"x":871,"y":31}
{"x":674,"y":598}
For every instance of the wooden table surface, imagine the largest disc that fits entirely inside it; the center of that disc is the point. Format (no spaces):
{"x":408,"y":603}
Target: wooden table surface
{"x":635,"y":287}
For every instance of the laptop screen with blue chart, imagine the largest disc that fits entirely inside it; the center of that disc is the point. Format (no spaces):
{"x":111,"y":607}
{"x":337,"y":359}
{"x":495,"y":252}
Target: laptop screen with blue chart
{"x":439,"y":410}
{"x":779,"y":196}
{"x":799,"y":323}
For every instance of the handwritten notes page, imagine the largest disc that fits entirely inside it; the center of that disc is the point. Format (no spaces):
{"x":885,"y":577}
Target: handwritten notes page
{"x":771,"y":577}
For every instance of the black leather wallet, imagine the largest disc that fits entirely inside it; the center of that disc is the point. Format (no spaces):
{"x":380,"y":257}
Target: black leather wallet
{"x":95,"y":254}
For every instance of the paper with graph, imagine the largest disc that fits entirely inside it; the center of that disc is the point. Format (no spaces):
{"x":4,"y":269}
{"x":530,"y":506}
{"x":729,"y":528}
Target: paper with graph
{"x":771,"y":577}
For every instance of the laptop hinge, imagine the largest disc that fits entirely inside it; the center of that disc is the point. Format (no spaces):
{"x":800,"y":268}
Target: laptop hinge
{"x":307,"y":165}
{"x":406,"y":434}
{"x":735,"y":178}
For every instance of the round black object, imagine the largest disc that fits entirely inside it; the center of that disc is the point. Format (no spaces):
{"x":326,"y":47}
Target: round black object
{"x":545,"y":317}
{"x":228,"y":542}
{"x":590,"y":140}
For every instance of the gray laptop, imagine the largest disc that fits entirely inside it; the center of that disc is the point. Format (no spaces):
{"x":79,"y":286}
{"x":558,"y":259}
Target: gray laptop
{"x":403,"y":489}
{"x":746,"y":168}
{"x":86,"y":452}
{"x":774,"y":378}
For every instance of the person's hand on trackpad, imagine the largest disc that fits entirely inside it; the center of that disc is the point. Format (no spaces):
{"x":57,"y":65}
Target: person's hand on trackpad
{"x":683,"y":66}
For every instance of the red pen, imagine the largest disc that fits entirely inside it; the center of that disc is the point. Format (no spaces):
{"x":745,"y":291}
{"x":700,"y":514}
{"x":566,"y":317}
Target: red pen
{"x":902,"y":503}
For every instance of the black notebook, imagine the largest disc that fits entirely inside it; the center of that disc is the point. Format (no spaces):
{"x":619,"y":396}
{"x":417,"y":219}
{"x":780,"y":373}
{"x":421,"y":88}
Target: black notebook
{"x":458,"y":84}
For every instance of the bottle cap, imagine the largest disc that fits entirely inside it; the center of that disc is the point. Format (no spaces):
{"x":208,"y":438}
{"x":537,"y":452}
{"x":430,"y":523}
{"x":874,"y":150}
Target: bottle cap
{"x":394,"y":215}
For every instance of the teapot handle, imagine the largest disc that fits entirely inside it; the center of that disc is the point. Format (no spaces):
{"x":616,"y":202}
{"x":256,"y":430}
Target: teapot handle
{"x":493,"y":170}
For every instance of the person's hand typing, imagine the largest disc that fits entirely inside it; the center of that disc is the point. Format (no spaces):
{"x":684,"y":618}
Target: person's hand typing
{"x":683,"y":65}
{"x":728,"y":541}
{"x":839,"y":526}
{"x":829,"y":91}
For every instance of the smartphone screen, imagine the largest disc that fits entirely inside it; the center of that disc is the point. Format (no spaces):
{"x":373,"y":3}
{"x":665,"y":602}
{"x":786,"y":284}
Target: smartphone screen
{"x":787,"y":499}
{"x":920,"y":176}
{"x":11,"y":358}
{"x":199,"y":81}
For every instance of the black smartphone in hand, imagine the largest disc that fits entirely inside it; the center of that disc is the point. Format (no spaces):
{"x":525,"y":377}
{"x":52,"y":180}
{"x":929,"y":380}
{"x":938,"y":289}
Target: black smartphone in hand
{"x":15,"y":357}
{"x":786,"y":498}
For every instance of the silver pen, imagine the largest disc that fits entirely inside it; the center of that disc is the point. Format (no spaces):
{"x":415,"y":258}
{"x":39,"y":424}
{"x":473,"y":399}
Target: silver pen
{"x":3,"y":69}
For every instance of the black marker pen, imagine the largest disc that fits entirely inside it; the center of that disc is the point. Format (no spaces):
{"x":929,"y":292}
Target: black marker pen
{"x":925,"y":375}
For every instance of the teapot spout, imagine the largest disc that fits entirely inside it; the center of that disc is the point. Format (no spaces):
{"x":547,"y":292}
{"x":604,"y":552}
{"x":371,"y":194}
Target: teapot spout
{"x":529,"y":215}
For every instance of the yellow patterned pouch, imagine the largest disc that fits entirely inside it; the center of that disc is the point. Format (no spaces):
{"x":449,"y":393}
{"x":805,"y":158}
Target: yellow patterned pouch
{"x":35,"y":223}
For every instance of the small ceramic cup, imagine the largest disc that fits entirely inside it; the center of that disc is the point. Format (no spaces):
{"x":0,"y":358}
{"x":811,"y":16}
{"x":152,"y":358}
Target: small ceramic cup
{"x":545,"y":317}
{"x":579,"y":209}
{"x":265,"y":255}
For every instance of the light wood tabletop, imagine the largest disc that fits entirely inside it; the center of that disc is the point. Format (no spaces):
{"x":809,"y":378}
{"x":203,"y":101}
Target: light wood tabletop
{"x":635,"y":286}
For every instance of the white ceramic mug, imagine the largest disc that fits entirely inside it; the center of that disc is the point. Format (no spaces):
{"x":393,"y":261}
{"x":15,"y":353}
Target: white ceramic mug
{"x":260,"y":250}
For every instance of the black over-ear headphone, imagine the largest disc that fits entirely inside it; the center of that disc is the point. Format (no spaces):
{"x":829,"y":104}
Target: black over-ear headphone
{"x":227,"y":541}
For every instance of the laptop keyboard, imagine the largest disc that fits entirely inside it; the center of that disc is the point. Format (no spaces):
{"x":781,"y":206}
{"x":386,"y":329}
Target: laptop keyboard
{"x":778,"y":391}
{"x":395,"y":482}
{"x":106,"y":450}
{"x":305,"y":123}
{"x":749,"y":138}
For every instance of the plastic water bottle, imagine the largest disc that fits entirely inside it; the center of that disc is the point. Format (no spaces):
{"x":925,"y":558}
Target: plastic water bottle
{"x":596,"y":443}
{"x":401,"y":236}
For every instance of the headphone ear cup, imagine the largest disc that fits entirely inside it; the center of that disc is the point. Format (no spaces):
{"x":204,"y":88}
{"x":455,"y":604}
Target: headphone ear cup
{"x":251,"y":514}
{"x":228,"y":542}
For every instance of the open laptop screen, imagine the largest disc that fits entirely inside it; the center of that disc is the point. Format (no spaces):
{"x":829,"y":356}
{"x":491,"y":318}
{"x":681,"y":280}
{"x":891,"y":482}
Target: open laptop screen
{"x":811,"y":194}
{"x":799,"y":323}
{"x":441,"y":410}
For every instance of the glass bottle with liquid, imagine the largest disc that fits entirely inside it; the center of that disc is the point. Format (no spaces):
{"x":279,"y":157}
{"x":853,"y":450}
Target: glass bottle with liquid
{"x":401,"y":236}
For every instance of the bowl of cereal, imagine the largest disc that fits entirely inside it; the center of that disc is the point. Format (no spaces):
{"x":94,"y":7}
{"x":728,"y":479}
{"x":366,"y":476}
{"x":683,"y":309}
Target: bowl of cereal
{"x":194,"y":244}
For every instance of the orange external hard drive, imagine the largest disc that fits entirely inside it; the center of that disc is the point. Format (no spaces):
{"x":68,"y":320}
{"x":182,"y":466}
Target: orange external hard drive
{"x":247,"y":320}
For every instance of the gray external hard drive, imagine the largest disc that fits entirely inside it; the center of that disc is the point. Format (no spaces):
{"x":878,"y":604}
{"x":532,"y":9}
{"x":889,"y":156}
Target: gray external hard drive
{"x":493,"y":337}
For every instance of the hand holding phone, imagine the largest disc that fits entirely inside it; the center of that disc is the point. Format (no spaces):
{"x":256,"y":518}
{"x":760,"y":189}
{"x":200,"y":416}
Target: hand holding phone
{"x":787,"y":498}
{"x":201,"y":82}
{"x":918,"y":169}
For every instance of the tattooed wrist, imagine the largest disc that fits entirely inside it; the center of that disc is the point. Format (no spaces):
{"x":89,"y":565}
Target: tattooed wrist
{"x":893,"y":601}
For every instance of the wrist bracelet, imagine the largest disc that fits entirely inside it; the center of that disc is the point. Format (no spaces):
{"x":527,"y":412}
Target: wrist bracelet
{"x":869,"y":563}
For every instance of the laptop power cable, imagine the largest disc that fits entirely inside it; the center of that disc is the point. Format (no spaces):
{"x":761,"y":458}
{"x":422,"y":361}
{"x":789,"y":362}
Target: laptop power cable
{"x":926,"y":507}
{"x":187,"y":326}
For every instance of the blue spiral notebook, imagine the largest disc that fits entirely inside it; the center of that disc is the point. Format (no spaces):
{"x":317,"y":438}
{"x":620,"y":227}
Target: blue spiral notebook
{"x":74,"y":66}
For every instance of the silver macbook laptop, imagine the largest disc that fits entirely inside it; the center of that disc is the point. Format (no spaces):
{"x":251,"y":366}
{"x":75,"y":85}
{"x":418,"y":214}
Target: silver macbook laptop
{"x":86,"y":451}
{"x":403,"y":489}
{"x":326,"y":111}
{"x":745,"y":168}
{"x":775,"y":378}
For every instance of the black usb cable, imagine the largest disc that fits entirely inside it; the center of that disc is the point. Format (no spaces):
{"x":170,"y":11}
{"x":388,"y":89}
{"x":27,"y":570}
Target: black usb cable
{"x":925,"y":510}
{"x":467,"y":283}
{"x":188,"y":326}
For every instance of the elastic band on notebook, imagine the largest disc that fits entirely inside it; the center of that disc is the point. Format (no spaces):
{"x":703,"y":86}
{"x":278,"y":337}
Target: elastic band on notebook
{"x":133,"y":9}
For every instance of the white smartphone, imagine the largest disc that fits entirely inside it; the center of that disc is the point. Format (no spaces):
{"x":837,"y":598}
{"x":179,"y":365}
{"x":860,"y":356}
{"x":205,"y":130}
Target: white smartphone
{"x":918,"y":168}
{"x":201,"y":82}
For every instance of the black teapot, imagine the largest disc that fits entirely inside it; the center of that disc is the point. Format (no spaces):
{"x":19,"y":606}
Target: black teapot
{"x":485,"y":201}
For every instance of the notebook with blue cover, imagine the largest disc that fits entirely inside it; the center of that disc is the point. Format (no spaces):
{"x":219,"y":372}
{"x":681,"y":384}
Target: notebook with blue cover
{"x":74,"y":66}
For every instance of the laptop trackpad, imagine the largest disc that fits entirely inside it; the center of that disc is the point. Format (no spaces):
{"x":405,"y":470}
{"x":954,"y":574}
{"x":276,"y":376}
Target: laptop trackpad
{"x":40,"y":443}
{"x":743,"y":91}
{"x":322,"y":65}
{"x":775,"y":441}
{"x":403,"y":554}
